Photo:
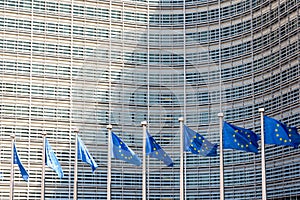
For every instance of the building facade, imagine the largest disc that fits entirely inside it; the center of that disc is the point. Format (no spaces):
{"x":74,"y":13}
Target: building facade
{"x":87,"y":64}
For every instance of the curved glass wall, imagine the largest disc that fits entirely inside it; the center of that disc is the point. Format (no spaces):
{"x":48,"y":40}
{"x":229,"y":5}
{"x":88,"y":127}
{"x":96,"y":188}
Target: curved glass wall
{"x":86,"y":64}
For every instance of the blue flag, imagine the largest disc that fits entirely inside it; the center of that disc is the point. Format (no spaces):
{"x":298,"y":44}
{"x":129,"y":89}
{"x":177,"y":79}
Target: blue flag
{"x":121,"y":151}
{"x":19,"y":163}
{"x":84,"y":155}
{"x":52,"y":161}
{"x":197,"y":144}
{"x":293,"y":133}
{"x":277,"y":132}
{"x":239,"y":138}
{"x":155,"y":151}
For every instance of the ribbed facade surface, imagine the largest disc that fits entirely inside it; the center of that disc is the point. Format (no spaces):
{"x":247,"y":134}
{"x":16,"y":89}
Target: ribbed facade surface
{"x":87,"y":64}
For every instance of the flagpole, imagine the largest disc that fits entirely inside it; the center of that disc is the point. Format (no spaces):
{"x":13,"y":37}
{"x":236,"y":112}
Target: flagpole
{"x":75,"y":164}
{"x":144,"y":125}
{"x":181,"y":120}
{"x":109,"y":127}
{"x":263,"y":157}
{"x":12,"y":169}
{"x":43,"y":167}
{"x":221,"y":116}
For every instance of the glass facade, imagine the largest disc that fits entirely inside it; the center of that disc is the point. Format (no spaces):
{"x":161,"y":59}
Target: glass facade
{"x":87,"y":64}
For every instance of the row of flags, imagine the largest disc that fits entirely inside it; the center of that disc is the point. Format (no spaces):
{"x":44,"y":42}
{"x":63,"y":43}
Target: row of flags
{"x":52,"y":161}
{"x":234,"y":137}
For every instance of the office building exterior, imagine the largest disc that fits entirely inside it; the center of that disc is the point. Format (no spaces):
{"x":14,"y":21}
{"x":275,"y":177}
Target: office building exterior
{"x":87,"y":64}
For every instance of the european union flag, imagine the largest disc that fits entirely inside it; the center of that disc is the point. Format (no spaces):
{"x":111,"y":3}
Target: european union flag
{"x":122,"y":152}
{"x":51,"y":160}
{"x":84,"y":155}
{"x":197,"y":144}
{"x":293,"y":133}
{"x":239,"y":138}
{"x":277,"y":132}
{"x":19,"y":163}
{"x":154,"y":150}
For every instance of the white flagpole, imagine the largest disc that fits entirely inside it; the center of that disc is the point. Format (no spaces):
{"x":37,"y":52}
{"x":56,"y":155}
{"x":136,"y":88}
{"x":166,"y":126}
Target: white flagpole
{"x":43,"y":167}
{"x":181,"y":120}
{"x":75,"y":164}
{"x":144,"y":125}
{"x":109,"y":127}
{"x":12,"y":169}
{"x":263,"y":157}
{"x":221,"y":115}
